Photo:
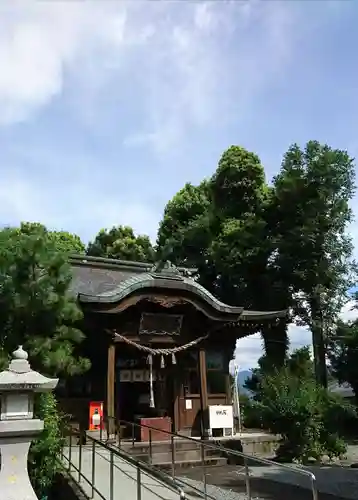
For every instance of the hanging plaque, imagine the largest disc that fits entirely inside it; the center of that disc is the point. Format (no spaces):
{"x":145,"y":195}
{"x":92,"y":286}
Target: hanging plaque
{"x":160,"y":324}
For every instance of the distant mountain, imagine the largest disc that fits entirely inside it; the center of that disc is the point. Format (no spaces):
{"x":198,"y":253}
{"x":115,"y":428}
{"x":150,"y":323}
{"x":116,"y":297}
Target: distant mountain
{"x":241,"y":379}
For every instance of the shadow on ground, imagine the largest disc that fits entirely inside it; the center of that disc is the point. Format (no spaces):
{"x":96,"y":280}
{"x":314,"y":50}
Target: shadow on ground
{"x":231,"y":478}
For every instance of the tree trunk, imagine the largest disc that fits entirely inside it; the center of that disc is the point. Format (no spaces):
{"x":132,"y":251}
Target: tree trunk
{"x":276,"y":343}
{"x":319,"y":347}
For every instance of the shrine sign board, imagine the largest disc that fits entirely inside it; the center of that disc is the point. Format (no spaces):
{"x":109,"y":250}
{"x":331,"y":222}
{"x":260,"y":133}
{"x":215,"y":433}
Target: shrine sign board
{"x":221,"y":417}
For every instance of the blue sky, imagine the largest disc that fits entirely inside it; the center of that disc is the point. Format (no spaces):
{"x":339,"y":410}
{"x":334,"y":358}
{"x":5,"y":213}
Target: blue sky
{"x":108,"y":108}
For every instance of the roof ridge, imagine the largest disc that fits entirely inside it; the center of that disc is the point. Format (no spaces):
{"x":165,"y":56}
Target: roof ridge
{"x":105,"y":262}
{"x":88,"y":259}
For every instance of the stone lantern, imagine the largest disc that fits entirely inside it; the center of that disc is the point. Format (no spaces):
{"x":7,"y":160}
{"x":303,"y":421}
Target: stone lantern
{"x":18,"y":385}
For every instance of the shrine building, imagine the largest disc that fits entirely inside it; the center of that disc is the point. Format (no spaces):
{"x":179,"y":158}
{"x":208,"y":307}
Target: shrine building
{"x":159,"y":343}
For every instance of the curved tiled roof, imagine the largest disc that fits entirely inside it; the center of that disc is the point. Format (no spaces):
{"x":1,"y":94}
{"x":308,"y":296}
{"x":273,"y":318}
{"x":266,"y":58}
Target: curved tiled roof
{"x":147,"y":280}
{"x":98,"y":280}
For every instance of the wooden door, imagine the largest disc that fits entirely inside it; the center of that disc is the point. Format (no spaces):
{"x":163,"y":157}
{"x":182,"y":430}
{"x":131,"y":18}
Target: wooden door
{"x":189,"y":407}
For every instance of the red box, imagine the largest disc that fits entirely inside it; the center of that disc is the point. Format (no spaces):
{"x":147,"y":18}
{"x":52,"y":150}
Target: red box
{"x":159,"y":424}
{"x":95,"y":415}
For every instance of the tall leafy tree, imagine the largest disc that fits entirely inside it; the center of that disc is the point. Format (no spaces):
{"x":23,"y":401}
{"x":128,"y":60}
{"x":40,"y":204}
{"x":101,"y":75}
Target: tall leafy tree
{"x":67,"y":242}
{"x":314,"y":251}
{"x":240,"y":246}
{"x":218,"y":226}
{"x":343,"y":354}
{"x":222,"y":228}
{"x":298,"y":364}
{"x":37,"y":311}
{"x":63,"y":240}
{"x":184,"y":233}
{"x":121,"y":243}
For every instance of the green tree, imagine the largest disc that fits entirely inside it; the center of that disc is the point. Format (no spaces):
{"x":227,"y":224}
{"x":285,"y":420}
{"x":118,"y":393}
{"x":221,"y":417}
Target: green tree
{"x":64,"y":241}
{"x":287,"y":401}
{"x":343,"y":354}
{"x":121,"y":243}
{"x":303,"y":414}
{"x":222,"y":227}
{"x":184,"y":233}
{"x":298,"y":364}
{"x":238,"y":192}
{"x":35,"y":307}
{"x":67,"y":242}
{"x":310,"y":214}
{"x":37,"y":311}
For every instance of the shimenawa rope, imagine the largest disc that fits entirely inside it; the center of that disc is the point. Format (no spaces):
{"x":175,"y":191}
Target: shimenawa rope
{"x":161,"y":352}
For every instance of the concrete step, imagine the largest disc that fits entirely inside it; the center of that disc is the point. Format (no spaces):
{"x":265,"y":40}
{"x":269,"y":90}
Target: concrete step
{"x":180,"y":457}
{"x":188,"y":464}
{"x":159,"y":446}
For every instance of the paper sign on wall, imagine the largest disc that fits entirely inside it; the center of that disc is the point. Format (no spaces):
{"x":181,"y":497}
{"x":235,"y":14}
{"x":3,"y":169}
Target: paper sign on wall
{"x":188,"y":404}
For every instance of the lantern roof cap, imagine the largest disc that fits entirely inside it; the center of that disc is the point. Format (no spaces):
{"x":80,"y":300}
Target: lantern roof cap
{"x":20,"y":377}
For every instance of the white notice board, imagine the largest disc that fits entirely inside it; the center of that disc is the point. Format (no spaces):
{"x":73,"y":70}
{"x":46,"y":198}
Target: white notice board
{"x":221,"y":417}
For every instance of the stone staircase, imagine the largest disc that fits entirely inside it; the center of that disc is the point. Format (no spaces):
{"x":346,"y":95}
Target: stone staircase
{"x":186,"y":453}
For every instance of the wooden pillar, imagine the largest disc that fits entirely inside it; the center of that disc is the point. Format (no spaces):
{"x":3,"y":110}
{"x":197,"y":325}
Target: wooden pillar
{"x":229,"y":379}
{"x":228,"y":389}
{"x":110,"y":386}
{"x":176,"y":415}
{"x":204,"y":402}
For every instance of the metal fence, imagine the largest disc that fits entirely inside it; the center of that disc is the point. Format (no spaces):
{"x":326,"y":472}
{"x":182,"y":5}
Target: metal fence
{"x":81,"y":456}
{"x":245,"y":463}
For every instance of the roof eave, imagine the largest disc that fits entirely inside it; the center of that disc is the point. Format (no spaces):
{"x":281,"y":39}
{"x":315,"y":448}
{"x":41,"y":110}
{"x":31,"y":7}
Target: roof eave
{"x":164,"y":284}
{"x":236,"y":314}
{"x":264,"y":315}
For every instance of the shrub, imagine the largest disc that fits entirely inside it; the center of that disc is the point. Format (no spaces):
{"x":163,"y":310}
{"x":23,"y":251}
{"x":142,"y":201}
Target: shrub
{"x":339,"y":417}
{"x":251,"y":416}
{"x":45,"y":450}
{"x":304,"y":415}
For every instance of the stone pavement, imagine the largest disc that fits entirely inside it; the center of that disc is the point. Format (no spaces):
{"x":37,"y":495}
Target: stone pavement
{"x":333,"y":480}
{"x":124,"y":478}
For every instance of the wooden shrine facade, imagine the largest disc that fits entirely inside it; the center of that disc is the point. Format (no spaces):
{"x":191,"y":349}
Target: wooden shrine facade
{"x":159,"y":343}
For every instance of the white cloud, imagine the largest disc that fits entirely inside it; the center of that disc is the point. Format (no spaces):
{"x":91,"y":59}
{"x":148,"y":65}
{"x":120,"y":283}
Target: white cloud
{"x":184,"y":53}
{"x":84,"y":210}
{"x":179,"y":56}
{"x":192,"y":64}
{"x":190,"y":82}
{"x":203,"y":17}
{"x":249,"y":349}
{"x":41,"y":42}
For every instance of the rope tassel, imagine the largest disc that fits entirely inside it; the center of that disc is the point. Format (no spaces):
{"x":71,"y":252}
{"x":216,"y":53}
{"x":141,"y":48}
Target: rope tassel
{"x":174,"y":359}
{"x":162,"y":362}
{"x":151,"y":389}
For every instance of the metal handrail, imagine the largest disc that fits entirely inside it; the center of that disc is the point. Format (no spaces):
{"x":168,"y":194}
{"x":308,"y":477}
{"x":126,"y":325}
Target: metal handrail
{"x":141,"y":466}
{"x":213,"y":446}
